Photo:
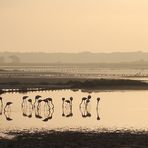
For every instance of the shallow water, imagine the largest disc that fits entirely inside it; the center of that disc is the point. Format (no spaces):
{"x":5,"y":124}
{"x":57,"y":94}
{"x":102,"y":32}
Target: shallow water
{"x":115,"y":110}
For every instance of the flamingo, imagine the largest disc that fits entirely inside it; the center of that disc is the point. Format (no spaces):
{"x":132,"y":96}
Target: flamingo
{"x":39,"y":104}
{"x":36,"y":98}
{"x":69,"y":103}
{"x":46,"y":103}
{"x":7,"y":106}
{"x":30,"y":101}
{"x":85,"y":99}
{"x":50,"y":100}
{"x":24,"y":100}
{"x":98,"y":99}
{"x":63,"y":99}
{"x":1,"y":107}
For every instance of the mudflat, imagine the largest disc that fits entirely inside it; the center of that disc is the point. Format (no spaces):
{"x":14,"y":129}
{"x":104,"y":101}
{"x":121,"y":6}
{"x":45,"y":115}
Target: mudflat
{"x":71,"y":83}
{"x":70,"y":139}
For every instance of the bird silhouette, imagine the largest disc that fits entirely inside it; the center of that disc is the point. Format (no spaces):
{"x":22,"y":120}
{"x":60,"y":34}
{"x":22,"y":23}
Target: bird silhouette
{"x":39,"y":104}
{"x":1,"y":105}
{"x":46,"y":104}
{"x":37,"y":97}
{"x":84,"y":106}
{"x":7,"y":111}
{"x":38,"y":113}
{"x":97,"y":107}
{"x":63,"y":112}
{"x":50,"y":103}
{"x":24,"y":102}
{"x":7,"y":106}
{"x":30,"y":104}
{"x":85,"y":100}
{"x":67,"y":108}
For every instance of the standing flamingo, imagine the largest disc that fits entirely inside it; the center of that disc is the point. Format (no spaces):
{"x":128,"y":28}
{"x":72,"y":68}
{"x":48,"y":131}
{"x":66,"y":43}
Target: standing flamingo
{"x":30,"y":101}
{"x":98,"y":100}
{"x":1,"y":105}
{"x":50,"y":102}
{"x":37,"y":97}
{"x":85,"y":99}
{"x":7,"y":106}
{"x":24,"y":101}
{"x":63,"y":113}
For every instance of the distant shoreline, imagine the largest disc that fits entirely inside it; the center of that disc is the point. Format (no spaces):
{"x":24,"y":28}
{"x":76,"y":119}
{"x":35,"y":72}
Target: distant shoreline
{"x":32,"y":84}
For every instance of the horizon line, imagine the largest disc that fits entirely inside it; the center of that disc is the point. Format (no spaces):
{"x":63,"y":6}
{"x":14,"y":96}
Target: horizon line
{"x":58,"y":52}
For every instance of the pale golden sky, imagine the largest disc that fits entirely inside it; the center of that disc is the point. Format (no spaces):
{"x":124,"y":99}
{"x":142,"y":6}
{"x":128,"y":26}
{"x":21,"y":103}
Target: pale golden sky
{"x":74,"y":25}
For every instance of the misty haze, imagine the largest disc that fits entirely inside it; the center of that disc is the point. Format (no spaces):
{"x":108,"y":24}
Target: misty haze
{"x":74,"y":74}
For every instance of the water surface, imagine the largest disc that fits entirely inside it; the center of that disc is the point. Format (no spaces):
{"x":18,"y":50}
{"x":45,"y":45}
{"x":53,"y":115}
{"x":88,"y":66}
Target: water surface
{"x":115,"y":110}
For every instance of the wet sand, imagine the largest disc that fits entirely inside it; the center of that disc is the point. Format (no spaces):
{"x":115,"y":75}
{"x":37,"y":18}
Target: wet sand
{"x":71,"y":139}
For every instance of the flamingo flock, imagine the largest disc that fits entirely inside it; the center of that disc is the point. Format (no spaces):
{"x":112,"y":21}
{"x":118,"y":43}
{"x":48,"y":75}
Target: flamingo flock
{"x":39,"y":104}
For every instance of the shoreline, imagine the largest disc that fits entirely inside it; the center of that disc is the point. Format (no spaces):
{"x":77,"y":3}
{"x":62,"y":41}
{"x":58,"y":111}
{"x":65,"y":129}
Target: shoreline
{"x":72,"y":139}
{"x":37,"y":84}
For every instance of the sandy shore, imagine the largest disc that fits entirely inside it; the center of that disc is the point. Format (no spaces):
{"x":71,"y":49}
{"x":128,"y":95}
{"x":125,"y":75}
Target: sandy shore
{"x":77,"y":139}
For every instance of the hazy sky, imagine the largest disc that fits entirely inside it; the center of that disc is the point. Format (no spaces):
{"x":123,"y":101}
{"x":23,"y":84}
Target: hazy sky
{"x":74,"y":25}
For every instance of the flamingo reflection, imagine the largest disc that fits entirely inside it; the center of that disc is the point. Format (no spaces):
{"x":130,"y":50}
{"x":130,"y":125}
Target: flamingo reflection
{"x":48,"y":115}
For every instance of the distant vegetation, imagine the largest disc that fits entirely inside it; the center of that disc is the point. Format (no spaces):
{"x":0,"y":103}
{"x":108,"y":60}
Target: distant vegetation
{"x":85,"y":57}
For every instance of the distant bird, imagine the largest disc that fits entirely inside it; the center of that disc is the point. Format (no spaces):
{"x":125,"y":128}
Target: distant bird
{"x":50,"y":102}
{"x":39,"y":104}
{"x":71,"y":99}
{"x":68,"y":106}
{"x":30,"y":101}
{"x":1,"y":105}
{"x":46,"y":104}
{"x":1,"y":100}
{"x":37,"y":97}
{"x":68,"y":101}
{"x":24,"y":100}
{"x":7,"y":106}
{"x":98,"y":100}
{"x":63,"y":113}
{"x":85,"y":100}
{"x":25,"y":97}
{"x":89,"y":97}
{"x":84,"y":110}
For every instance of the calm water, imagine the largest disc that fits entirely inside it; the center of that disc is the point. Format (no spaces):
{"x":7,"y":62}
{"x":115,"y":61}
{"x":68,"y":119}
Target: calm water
{"x":115,"y":110}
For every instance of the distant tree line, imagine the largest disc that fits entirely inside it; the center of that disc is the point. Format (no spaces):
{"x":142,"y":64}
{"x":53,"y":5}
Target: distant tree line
{"x":13,"y":59}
